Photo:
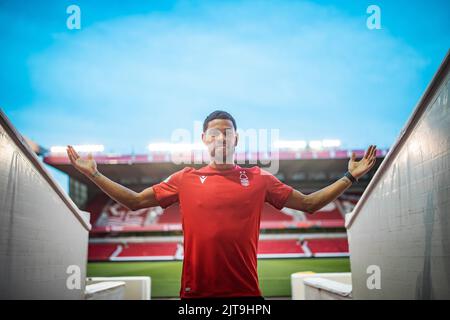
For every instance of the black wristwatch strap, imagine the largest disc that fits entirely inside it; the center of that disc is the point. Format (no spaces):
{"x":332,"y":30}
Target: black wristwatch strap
{"x":350,"y":177}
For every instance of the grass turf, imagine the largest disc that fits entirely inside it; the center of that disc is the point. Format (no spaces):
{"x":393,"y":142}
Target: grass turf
{"x":274,"y":274}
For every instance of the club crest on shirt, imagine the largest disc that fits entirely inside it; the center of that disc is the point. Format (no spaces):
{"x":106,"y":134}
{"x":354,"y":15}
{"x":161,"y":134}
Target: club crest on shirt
{"x":244,"y":179}
{"x":202,"y":179}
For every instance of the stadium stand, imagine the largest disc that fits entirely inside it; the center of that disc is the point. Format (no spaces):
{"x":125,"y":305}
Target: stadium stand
{"x":290,"y":248}
{"x":270,"y":213}
{"x":328,"y":247}
{"x":172,"y":250}
{"x":101,"y":251}
{"x":108,"y":216}
{"x":170,"y":215}
{"x":158,"y":249}
{"x":348,"y":202}
{"x":95,"y":206}
{"x":329,"y":212}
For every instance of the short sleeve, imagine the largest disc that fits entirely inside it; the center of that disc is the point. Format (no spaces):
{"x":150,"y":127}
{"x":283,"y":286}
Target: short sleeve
{"x":277,"y":193}
{"x":166,"y":192}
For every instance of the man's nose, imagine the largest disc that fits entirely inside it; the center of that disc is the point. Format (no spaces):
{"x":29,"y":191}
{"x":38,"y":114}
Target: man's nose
{"x":221,"y":138}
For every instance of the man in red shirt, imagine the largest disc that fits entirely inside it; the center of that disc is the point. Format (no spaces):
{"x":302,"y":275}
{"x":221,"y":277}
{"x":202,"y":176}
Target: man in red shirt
{"x":221,"y":206}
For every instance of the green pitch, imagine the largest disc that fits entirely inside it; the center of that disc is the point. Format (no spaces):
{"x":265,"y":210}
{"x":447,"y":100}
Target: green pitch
{"x":274,"y":274}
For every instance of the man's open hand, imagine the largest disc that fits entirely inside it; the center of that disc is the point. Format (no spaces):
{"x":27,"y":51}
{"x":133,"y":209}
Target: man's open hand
{"x":86,"y":166}
{"x":360,"y":168}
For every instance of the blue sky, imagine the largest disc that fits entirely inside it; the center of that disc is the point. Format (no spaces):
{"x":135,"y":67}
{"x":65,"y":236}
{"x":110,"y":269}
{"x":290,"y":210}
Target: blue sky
{"x":138,"y":70}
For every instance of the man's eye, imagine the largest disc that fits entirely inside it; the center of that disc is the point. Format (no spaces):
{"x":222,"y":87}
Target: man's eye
{"x":212,"y":134}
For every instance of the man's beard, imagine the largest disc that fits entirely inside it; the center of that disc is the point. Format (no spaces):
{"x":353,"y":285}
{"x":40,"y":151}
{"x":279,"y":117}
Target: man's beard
{"x":223,"y":155}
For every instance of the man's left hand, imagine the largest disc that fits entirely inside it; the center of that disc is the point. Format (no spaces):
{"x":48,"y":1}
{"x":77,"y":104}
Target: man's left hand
{"x":360,"y":168}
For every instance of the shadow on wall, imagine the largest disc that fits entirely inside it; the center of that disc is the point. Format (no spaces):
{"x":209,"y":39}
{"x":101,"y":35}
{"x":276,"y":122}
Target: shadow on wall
{"x":424,"y":286}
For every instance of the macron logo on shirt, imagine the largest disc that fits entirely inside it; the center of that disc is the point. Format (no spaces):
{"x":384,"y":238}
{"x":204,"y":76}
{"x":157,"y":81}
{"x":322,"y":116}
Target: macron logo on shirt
{"x":202,"y":179}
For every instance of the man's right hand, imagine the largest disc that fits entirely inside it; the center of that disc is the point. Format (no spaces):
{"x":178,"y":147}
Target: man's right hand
{"x":86,"y":166}
{"x":127,"y":197}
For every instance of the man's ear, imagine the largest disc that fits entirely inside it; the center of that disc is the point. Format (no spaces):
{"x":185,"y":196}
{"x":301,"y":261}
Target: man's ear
{"x":236,"y":140}
{"x":203,"y":137}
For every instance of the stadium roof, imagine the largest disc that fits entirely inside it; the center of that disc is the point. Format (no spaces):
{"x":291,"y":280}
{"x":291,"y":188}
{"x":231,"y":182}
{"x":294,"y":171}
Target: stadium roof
{"x":308,"y":170}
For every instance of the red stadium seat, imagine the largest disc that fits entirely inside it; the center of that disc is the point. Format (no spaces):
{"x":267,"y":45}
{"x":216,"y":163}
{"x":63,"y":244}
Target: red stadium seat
{"x":279,"y":246}
{"x":101,"y":251}
{"x":95,"y":206}
{"x":329,"y":212}
{"x":170,"y":215}
{"x":270,"y":213}
{"x":132,"y":251}
{"x":322,"y":247}
{"x":148,"y":249}
{"x":108,"y":216}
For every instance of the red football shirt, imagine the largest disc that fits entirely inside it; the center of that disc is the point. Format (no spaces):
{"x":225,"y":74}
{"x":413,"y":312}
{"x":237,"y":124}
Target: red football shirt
{"x":221,"y":212}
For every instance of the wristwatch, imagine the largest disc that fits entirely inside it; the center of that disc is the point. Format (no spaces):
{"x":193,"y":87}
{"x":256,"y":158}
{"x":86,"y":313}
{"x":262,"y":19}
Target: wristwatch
{"x":350,"y":177}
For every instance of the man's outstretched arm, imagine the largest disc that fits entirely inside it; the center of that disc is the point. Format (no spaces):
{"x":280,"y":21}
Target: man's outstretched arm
{"x":317,"y":200}
{"x":127,"y":197}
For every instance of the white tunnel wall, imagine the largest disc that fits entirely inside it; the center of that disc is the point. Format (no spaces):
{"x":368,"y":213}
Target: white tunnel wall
{"x":43,"y":235}
{"x":401,"y":224}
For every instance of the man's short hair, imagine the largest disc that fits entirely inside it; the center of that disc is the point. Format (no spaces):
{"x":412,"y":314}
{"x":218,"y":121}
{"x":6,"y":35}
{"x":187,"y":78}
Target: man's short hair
{"x":218,"y":114}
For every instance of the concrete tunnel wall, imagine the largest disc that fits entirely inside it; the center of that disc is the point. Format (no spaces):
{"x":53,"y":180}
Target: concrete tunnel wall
{"x":401,"y":223}
{"x":43,"y":235}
